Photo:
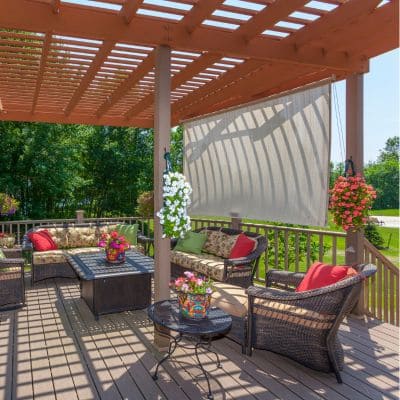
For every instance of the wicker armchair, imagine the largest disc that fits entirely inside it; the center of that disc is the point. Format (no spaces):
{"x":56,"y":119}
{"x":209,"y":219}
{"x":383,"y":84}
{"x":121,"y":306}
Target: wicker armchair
{"x":12,"y":282}
{"x":302,"y":326}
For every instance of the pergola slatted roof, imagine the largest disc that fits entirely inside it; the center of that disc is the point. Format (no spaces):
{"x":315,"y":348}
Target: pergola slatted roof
{"x":93,"y":61}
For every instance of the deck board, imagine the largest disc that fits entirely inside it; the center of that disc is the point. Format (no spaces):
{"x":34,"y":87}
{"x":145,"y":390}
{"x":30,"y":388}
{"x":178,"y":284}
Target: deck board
{"x":54,"y":349}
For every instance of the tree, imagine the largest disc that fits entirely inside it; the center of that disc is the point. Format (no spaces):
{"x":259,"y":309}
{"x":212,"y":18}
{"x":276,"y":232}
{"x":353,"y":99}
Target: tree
{"x":383,"y":175}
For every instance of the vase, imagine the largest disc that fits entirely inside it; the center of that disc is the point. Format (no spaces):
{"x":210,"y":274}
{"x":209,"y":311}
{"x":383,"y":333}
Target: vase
{"x":194,"y":306}
{"x":115,"y":256}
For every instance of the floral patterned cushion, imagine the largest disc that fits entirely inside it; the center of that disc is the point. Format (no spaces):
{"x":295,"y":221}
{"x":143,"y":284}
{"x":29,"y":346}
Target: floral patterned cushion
{"x":219,"y":243}
{"x":205,"y":264}
{"x":82,"y":236}
{"x":59,"y":236}
{"x":49,"y":257}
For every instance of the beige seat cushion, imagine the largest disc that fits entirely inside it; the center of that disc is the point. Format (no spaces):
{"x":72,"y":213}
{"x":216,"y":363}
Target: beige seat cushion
{"x":232,"y":299}
{"x":81,"y":250}
{"x":205,"y":264}
{"x":49,"y":257}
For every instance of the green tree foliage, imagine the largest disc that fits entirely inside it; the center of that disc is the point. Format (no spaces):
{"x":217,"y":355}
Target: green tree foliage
{"x":55,"y":169}
{"x":383,"y":175}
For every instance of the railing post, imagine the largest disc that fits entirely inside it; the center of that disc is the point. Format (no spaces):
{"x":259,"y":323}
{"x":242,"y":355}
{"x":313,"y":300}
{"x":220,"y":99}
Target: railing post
{"x":235,"y":222}
{"x":80,"y":215}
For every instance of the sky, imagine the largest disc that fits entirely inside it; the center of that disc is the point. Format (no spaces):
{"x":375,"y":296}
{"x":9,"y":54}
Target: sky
{"x":381,"y":107}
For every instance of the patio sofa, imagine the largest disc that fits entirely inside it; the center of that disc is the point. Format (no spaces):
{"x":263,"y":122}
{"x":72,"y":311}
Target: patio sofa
{"x":300,"y":325}
{"x":70,"y":239}
{"x":214,"y":260}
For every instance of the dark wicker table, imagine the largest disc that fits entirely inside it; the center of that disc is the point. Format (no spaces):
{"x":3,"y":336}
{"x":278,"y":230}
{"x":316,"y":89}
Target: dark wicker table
{"x":165,"y":315}
{"x":109,"y":288}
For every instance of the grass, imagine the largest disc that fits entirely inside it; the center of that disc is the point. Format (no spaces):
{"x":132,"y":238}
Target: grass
{"x":393,"y":212}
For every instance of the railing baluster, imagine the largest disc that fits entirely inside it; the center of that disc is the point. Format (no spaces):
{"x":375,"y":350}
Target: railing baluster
{"x":286,"y":244}
{"x":379,"y":276}
{"x":296,"y":252}
{"x":321,"y":247}
{"x":385,"y":294}
{"x":373,"y":294}
{"x":308,"y":252}
{"x":276,"y":245}
{"x":391,"y":298}
{"x":266,"y":257}
{"x":397,"y":297}
{"x":334,"y":250}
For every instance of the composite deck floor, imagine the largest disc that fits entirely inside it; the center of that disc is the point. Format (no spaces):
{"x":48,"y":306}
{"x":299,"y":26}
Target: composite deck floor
{"x":54,"y":349}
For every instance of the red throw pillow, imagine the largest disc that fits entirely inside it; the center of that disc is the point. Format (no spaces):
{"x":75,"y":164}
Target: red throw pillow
{"x":320,"y":275}
{"x":243,"y":246}
{"x":42,"y":241}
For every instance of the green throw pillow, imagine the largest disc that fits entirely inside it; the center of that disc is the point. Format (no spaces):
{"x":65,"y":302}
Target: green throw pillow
{"x":192,"y":243}
{"x":2,"y":254}
{"x":129,"y":231}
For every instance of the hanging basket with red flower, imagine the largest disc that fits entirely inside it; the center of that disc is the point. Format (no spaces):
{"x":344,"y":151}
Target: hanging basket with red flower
{"x":350,"y":201}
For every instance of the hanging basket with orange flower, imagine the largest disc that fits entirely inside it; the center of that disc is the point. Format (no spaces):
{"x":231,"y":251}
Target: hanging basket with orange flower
{"x":350,"y":201}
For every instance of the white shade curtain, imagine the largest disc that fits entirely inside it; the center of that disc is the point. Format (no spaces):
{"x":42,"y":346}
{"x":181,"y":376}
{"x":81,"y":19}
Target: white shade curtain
{"x":267,"y":161}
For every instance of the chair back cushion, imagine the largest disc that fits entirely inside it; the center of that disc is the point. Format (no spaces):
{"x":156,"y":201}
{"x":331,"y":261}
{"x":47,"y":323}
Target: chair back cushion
{"x":82,"y":236}
{"x":243,"y":246}
{"x":42,"y":240}
{"x":193,"y":242}
{"x":129,"y":231}
{"x":59,"y":236}
{"x":219,"y":243}
{"x":320,"y":275}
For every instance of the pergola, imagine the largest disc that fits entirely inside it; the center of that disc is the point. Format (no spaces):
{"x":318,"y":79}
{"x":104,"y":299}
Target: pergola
{"x":154,"y":63}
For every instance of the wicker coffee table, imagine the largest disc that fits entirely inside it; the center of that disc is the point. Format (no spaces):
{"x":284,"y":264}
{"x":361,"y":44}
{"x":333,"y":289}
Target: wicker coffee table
{"x":165,"y":314}
{"x":109,"y":288}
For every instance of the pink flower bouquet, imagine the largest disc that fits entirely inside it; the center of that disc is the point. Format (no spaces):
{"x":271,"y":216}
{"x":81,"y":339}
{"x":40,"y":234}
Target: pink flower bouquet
{"x":115,"y":246}
{"x":350,"y":201}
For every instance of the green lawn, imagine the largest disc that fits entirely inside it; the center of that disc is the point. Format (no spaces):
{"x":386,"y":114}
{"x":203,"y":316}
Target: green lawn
{"x":393,"y":212}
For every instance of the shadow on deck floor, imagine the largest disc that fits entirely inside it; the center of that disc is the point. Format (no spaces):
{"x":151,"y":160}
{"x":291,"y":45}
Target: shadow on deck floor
{"x":54,"y":349}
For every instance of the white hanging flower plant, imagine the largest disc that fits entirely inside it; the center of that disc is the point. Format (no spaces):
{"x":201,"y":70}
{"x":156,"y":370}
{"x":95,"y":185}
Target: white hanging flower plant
{"x":173,"y":215}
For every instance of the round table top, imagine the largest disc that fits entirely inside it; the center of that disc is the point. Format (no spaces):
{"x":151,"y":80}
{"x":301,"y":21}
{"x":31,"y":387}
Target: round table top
{"x":166,"y":314}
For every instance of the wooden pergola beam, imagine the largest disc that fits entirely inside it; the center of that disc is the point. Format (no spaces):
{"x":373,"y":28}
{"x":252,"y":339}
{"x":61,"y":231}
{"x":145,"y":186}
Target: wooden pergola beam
{"x":127,"y":84}
{"x":42,"y":67}
{"x":129,"y":9}
{"x":200,"y":11}
{"x":189,"y":72}
{"x":94,"y":68}
{"x":268,"y":17}
{"x":75,"y":118}
{"x":93,"y":24}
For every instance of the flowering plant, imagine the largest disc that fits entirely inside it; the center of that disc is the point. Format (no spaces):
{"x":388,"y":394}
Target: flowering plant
{"x":173,"y":215}
{"x":113,"y":242}
{"x":7,"y":239}
{"x":8,"y":205}
{"x":191,"y":283}
{"x":350,"y":200}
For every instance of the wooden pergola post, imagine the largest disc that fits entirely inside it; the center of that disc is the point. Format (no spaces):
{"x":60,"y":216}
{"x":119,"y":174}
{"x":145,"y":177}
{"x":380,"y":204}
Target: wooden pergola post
{"x":355,"y":150}
{"x":162,"y":132}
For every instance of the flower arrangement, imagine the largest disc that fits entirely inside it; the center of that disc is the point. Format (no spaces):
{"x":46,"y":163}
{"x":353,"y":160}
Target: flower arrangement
{"x":194,"y":295}
{"x":8,"y":205}
{"x":115,"y":246}
{"x":191,"y":283}
{"x":173,"y":215}
{"x":7,"y":239}
{"x":350,"y":200}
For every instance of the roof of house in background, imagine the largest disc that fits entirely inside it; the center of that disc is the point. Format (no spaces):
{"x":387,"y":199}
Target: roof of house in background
{"x":84,"y":61}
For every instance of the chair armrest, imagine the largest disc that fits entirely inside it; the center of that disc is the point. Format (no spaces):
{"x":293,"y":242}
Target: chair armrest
{"x":275,"y":277}
{"x":269,"y":293}
{"x":237,"y":261}
{"x":11,"y":262}
{"x":13,"y":252}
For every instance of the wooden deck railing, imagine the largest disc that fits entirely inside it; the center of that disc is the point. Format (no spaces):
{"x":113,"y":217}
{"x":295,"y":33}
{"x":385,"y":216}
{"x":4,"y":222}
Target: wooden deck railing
{"x":19,"y":228}
{"x":381,"y":292}
{"x":288,"y":248}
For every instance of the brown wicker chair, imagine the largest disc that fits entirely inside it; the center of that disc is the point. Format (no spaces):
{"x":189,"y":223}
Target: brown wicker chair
{"x":12,"y":282}
{"x":302,"y":326}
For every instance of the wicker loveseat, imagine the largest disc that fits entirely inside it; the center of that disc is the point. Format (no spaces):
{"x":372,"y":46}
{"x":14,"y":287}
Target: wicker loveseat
{"x":212,"y":263}
{"x":70,"y":239}
{"x":302,"y":325}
